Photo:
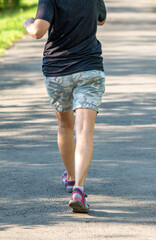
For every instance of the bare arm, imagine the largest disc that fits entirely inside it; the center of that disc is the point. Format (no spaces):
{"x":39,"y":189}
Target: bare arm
{"x":101,"y":23}
{"x":36,"y":28}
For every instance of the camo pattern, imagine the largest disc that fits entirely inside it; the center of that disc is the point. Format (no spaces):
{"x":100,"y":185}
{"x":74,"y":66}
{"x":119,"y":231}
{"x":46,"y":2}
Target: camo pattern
{"x":77,"y":90}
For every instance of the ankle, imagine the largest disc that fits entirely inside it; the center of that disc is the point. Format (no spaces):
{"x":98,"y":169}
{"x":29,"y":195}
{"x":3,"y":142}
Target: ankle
{"x":70,"y":177}
{"x":79,"y":187}
{"x":79,"y":183}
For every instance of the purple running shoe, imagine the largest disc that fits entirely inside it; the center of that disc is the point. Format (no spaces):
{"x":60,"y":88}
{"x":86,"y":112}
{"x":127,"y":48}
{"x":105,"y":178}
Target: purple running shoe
{"x":67,"y":184}
{"x":78,"y":201}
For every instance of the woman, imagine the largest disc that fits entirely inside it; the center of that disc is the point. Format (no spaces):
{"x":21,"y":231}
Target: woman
{"x":75,"y":81}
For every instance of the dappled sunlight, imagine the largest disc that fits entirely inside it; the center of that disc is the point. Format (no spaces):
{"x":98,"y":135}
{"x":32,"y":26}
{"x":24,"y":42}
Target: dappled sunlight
{"x":121,"y":179}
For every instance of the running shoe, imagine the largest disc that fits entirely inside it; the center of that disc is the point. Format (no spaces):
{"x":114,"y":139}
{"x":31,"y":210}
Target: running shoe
{"x":78,"y":201}
{"x":67,"y":184}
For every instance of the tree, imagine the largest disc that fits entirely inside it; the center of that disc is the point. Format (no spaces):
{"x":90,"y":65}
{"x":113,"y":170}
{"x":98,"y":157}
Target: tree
{"x":4,"y":4}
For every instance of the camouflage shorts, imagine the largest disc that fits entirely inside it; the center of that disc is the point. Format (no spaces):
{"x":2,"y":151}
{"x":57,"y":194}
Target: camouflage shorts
{"x":77,"y":90}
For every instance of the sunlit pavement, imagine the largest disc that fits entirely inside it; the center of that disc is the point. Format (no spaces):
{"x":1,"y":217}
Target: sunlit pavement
{"x":121,"y":180}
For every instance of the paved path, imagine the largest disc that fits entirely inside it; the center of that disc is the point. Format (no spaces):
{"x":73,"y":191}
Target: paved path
{"x":121,"y":182}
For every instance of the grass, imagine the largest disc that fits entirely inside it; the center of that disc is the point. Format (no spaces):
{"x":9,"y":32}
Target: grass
{"x":11,"y":23}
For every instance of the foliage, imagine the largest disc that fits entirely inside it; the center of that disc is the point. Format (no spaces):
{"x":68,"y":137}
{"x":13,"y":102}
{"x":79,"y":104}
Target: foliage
{"x":11,"y":23}
{"x":5,"y":4}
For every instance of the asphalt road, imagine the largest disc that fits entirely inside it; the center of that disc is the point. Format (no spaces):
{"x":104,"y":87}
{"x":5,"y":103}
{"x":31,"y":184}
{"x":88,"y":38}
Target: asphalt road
{"x":121,"y":182}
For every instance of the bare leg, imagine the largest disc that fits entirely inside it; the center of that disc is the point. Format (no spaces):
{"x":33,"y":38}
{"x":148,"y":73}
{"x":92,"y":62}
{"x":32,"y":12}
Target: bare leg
{"x":66,"y":142}
{"x":85,"y":120}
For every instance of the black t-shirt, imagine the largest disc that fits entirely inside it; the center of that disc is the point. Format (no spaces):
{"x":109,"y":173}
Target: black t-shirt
{"x":72,"y":45}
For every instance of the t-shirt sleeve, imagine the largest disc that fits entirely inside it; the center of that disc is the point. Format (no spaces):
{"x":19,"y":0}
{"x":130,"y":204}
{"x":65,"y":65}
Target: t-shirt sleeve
{"x":101,"y":11}
{"x":45,"y":10}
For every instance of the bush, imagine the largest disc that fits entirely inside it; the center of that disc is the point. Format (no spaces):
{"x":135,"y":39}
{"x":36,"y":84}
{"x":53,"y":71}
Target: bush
{"x":5,"y":4}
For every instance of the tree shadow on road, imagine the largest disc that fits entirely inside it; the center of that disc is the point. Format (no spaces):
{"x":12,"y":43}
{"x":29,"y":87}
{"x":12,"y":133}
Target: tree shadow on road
{"x":121,"y":179}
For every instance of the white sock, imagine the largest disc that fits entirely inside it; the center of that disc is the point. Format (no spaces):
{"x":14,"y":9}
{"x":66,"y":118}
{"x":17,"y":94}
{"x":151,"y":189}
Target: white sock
{"x":81,"y":188}
{"x":77,"y":195}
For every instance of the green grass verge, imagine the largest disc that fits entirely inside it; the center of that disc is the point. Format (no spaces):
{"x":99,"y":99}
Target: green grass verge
{"x":11,"y":23}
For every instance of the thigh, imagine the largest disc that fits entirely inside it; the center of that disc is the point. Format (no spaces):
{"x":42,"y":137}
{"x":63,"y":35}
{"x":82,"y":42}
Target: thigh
{"x":89,"y":90}
{"x":60,"y":92}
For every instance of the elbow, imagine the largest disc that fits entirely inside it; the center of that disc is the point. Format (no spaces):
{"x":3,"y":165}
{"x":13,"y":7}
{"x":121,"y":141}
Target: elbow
{"x":34,"y":32}
{"x":38,"y":29}
{"x":101,"y":23}
{"x":37,"y":35}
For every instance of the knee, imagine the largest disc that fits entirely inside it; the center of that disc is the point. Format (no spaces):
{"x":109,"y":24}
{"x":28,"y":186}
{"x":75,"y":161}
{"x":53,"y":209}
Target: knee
{"x":85,"y":121}
{"x":65,"y":125}
{"x":85,"y":132}
{"x":65,"y":121}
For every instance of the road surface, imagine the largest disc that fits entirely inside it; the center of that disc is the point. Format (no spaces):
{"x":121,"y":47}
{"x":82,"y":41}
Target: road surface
{"x":121,"y":182}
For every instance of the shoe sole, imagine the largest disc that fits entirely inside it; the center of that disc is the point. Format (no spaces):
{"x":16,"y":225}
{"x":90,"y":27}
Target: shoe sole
{"x":78,"y":207}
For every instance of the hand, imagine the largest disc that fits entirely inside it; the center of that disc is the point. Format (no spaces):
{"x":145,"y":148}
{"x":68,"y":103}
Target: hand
{"x":28,"y":22}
